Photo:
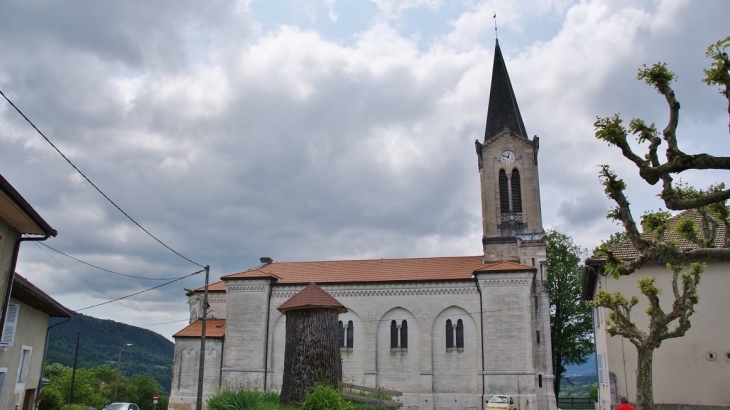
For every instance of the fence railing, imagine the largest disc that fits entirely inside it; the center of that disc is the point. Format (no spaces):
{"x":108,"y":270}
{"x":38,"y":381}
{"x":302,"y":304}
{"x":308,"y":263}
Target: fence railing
{"x":576,"y":402}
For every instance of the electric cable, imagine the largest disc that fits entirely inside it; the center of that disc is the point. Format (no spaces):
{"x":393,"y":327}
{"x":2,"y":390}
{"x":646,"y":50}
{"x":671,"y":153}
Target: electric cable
{"x":89,"y":284}
{"x":96,"y":187}
{"x":142,"y":291}
{"x":100,"y":268}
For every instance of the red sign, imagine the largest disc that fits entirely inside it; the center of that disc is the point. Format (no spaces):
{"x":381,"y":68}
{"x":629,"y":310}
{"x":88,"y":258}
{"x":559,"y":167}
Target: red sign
{"x":154,"y":399}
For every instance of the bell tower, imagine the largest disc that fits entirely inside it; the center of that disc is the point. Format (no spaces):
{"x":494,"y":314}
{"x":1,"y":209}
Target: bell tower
{"x":507,"y":159}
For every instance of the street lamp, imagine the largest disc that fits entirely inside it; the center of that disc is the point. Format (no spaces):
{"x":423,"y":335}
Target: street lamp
{"x":119,"y":363}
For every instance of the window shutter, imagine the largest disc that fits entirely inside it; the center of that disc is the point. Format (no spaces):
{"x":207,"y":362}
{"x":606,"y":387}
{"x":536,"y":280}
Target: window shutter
{"x":503,"y":192}
{"x":599,"y":361}
{"x":516,"y":193}
{"x":11,"y":321}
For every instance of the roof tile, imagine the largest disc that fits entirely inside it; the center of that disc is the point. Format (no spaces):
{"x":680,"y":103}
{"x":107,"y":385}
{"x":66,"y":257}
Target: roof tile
{"x":312,"y":297}
{"x":378,"y":270}
{"x":214,"y":329}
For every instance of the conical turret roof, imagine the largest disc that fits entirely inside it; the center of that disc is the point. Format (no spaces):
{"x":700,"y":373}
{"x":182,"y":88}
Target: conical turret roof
{"x":312,"y":297}
{"x":503,"y":111}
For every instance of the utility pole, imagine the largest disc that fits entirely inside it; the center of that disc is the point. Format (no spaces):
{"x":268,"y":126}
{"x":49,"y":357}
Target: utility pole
{"x":73,"y":375}
{"x":119,"y":363}
{"x":202,"y":340}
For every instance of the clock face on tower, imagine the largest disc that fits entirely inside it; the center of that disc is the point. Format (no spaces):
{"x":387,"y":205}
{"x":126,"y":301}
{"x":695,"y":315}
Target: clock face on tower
{"x":508,"y":157}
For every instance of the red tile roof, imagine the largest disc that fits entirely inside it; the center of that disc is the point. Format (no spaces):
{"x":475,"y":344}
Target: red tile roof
{"x":626,"y":250}
{"x":378,"y":270}
{"x":312,"y":297}
{"x":213,"y":287}
{"x":214,"y":329}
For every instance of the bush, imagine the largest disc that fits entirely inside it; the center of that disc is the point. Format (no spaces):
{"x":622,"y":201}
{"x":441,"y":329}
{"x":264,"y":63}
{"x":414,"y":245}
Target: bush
{"x":324,"y":397}
{"x":241,"y":400}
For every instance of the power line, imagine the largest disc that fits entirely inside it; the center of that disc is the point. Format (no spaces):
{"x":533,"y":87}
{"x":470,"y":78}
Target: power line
{"x":82,"y":279}
{"x":100,"y":268}
{"x":142,"y":291}
{"x":94,"y":185}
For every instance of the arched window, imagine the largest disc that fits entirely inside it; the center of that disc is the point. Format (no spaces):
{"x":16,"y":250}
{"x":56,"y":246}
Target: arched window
{"x":350,"y":334}
{"x":449,"y":335}
{"x":460,"y":334}
{"x":503,"y":192}
{"x":539,"y":381}
{"x":516,"y":193}
{"x":340,"y":334}
{"x":404,"y":335}
{"x":393,"y":335}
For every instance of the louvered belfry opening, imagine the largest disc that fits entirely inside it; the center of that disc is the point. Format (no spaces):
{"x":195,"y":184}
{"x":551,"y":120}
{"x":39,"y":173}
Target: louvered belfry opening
{"x":516,"y":192}
{"x":503,"y":192}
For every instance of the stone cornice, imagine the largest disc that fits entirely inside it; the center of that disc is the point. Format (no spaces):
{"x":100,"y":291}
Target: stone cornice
{"x":505,"y":282}
{"x":380,"y":290}
{"x":244,"y":288}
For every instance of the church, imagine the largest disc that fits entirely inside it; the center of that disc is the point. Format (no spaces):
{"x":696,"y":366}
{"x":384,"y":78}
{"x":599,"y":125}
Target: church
{"x":448,"y":332}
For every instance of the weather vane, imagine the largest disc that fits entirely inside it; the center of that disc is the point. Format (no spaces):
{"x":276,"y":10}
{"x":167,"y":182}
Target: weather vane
{"x":495,"y":26}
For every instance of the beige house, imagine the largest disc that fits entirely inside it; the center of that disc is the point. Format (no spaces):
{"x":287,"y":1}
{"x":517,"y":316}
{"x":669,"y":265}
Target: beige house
{"x":25,"y":308}
{"x":447,"y":331}
{"x":689,"y":372}
{"x":23,"y":344}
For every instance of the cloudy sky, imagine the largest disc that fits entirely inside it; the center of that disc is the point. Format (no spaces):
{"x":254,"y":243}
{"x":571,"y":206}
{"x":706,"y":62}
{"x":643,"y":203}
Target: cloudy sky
{"x":317,"y":129}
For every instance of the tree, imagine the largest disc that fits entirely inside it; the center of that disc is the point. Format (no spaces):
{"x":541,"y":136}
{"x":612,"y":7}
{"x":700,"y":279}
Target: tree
{"x":683,"y":242}
{"x":570,"y":319}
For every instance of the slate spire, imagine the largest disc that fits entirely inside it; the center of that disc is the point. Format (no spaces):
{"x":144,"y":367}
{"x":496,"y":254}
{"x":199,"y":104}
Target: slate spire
{"x":503,"y":111}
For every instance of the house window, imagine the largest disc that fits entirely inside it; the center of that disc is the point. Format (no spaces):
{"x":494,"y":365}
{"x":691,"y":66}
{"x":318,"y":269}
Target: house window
{"x":459,"y":334}
{"x":393,"y":335}
{"x":11,"y":321}
{"x":350,"y":334}
{"x":23,"y":368}
{"x":599,"y":362}
{"x":398,"y":335}
{"x":449,"y":335}
{"x":340,"y":335}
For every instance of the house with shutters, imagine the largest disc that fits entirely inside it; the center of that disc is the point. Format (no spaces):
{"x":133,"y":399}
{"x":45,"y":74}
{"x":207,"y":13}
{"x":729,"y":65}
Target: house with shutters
{"x":446,"y":331}
{"x":26,"y":309}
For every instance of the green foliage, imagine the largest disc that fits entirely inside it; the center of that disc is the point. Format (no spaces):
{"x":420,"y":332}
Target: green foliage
{"x":94,"y":387}
{"x":571,"y":325}
{"x":239,"y":399}
{"x":593,"y":393}
{"x":656,"y":223}
{"x":658,"y":75}
{"x":324,"y":397}
{"x":719,"y":71}
{"x":601,"y":251}
{"x":150,"y":352}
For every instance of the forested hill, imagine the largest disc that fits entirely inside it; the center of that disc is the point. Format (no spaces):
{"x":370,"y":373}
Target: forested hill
{"x":150,"y":352}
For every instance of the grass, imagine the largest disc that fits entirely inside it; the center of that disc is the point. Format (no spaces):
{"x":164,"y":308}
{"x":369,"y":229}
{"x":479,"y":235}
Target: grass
{"x":321,"y":398}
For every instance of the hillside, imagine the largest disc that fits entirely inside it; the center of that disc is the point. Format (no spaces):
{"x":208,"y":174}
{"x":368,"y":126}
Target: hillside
{"x":150,"y":352}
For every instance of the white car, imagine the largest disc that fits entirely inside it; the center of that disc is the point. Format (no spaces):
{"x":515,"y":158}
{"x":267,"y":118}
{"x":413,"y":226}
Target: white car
{"x":122,"y":406}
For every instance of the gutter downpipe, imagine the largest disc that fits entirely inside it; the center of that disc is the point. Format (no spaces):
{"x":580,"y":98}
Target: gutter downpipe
{"x":481,"y":326}
{"x":11,"y":276}
{"x":45,"y":351}
{"x":266,"y":338}
{"x":220,"y":372}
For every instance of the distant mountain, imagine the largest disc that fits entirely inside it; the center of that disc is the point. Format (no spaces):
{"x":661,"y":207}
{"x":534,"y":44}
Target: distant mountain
{"x":150,"y":352}
{"x":586,"y":369}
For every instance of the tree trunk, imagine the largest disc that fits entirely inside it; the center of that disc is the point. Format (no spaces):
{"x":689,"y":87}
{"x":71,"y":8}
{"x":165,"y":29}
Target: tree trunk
{"x":557,"y":372}
{"x":644,"y":385}
{"x":311,"y":354}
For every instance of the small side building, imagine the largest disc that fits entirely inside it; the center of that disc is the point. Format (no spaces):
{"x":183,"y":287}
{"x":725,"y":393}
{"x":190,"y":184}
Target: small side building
{"x":690,"y":372}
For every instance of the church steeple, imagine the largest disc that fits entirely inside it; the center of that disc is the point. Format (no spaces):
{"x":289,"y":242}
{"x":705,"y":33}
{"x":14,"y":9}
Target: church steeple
{"x":503,"y":111}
